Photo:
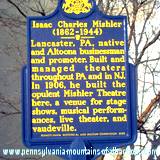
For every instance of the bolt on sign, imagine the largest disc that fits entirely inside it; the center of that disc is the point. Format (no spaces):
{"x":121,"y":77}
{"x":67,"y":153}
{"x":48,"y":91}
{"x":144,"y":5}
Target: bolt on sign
{"x":78,"y":86}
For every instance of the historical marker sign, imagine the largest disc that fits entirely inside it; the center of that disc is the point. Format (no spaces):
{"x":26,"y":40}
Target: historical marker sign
{"x":78,"y":82}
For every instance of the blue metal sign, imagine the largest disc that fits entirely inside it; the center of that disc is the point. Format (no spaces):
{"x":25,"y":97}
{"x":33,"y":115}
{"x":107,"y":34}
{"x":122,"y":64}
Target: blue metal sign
{"x":78,"y":84}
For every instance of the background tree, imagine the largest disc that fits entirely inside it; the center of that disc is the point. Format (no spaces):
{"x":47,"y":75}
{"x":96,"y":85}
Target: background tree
{"x":143,"y":42}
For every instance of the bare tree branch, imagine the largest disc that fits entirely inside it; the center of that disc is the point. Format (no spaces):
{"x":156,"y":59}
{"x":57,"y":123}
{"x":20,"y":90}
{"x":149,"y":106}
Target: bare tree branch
{"x":149,"y":108}
{"x":18,"y":8}
{"x":149,"y":60}
{"x":8,"y":102}
{"x":156,"y":37}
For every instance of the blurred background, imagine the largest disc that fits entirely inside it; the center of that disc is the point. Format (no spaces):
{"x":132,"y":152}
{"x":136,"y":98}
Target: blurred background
{"x":144,"y":53}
